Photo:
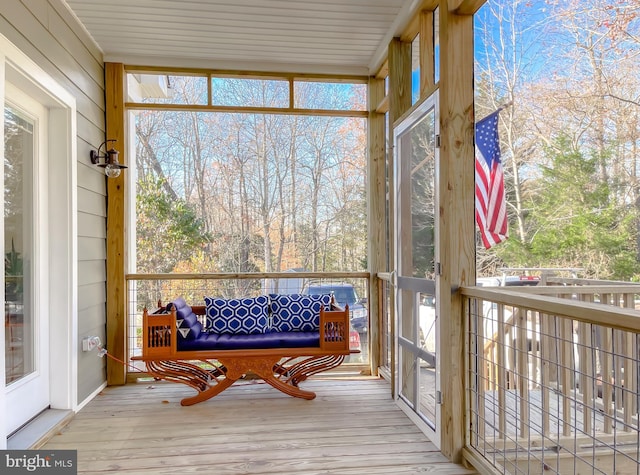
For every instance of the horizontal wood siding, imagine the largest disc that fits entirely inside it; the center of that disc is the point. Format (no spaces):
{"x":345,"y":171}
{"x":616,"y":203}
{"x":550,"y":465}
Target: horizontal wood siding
{"x":49,"y":34}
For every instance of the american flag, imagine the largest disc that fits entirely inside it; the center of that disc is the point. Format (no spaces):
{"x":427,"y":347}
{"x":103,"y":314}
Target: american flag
{"x":491,"y":209}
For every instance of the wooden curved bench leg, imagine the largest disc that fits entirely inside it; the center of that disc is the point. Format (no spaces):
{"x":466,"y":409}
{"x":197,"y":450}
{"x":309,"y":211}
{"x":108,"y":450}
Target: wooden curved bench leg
{"x":283,"y":374}
{"x":264,"y":367}
{"x":302,"y":370}
{"x":202,"y":380}
{"x":214,"y":390}
{"x":289,"y":389}
{"x":179,"y":372}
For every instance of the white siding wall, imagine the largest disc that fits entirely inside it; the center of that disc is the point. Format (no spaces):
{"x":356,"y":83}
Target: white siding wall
{"x":46,"y":32}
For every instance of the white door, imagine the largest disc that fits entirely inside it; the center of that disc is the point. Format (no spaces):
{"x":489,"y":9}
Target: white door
{"x":26,"y":259}
{"x":416,"y":221}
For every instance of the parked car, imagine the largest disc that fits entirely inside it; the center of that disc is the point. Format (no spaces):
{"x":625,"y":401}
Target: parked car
{"x":345,"y":294}
{"x":508,"y":281}
{"x":354,"y":340}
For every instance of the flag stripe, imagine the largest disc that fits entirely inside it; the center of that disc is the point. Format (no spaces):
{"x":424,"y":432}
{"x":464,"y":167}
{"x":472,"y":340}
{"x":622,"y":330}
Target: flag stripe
{"x":491,"y":209}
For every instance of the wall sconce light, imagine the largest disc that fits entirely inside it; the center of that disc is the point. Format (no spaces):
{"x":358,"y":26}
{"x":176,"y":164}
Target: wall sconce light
{"x":111,"y":165}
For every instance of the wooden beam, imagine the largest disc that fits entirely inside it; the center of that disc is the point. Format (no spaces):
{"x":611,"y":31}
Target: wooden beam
{"x":246,"y":109}
{"x":399,"y":78}
{"x":376,"y":212}
{"x":245,"y":74}
{"x":427,"y":64}
{"x":383,"y":72}
{"x":465,"y":7}
{"x":383,"y":105}
{"x":412,"y":29}
{"x":116,"y":289}
{"x":456,"y":233}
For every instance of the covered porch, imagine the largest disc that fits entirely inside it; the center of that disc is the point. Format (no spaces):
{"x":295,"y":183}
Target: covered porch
{"x":487,"y":394}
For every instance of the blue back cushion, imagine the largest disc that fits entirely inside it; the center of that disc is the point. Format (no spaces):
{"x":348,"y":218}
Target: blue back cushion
{"x":187,"y":324}
{"x":246,"y":316}
{"x":297,"y":313}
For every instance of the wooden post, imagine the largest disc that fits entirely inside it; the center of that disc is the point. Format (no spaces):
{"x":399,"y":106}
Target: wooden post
{"x":399,"y":59}
{"x":427,"y":64}
{"x":399,"y":79}
{"x":116,"y":311}
{"x":376,"y":202}
{"x":456,"y":233}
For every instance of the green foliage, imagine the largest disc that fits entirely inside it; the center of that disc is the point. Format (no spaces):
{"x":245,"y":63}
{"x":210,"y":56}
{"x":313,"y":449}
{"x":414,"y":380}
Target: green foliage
{"x":168,"y":230}
{"x":13,"y":271}
{"x":13,"y":263}
{"x":574,"y":222}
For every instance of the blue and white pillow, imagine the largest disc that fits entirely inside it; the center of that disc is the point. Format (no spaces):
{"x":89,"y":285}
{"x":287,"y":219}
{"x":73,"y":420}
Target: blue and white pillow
{"x":295,"y":312}
{"x":186,"y":321}
{"x":237,"y":316}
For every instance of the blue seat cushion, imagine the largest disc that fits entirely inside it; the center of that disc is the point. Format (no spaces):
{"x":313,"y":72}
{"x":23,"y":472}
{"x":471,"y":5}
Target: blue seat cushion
{"x":225,"y":341}
{"x":245,"y":316}
{"x":296,"y":313}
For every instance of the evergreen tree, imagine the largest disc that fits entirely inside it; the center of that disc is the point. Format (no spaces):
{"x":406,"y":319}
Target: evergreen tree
{"x":168,"y":230}
{"x":574,"y":221}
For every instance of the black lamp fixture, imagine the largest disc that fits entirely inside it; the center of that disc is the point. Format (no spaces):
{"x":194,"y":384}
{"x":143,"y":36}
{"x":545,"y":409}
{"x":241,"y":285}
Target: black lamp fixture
{"x":111,"y":165}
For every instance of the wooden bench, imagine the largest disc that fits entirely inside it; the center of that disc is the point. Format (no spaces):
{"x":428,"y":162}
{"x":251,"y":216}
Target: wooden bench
{"x":176,"y":348}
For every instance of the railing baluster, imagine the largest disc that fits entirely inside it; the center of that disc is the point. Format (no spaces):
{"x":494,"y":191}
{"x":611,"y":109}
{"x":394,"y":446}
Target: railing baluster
{"x":626,"y":381}
{"x":605,"y":375}
{"x":566,"y":373}
{"x":586,"y":374}
{"x":545,"y":375}
{"x":502,"y":373}
{"x":478,"y":322}
{"x":522,"y":368}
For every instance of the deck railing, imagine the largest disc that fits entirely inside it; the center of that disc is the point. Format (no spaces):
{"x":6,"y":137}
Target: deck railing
{"x":146,"y":290}
{"x":552,"y":380}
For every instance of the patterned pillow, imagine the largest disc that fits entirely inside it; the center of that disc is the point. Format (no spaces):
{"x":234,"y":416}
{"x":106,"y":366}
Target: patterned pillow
{"x":186,"y":321}
{"x":237,"y":316}
{"x":295,"y":312}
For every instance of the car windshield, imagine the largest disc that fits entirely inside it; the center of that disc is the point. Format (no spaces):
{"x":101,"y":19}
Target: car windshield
{"x":343,"y":295}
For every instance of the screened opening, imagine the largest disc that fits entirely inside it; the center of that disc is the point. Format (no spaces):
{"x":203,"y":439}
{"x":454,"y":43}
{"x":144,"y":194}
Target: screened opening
{"x":232,"y":192}
{"x":249,"y":92}
{"x":330,"y":95}
{"x":166,"y":88}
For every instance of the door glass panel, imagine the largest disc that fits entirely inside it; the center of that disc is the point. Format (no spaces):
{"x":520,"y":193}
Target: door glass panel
{"x":416,"y":251}
{"x":422,"y":196}
{"x":428,"y":392}
{"x":19,"y":325}
{"x":407,"y":328}
{"x":427,"y":318}
{"x":408,"y":364}
{"x":423,"y":243}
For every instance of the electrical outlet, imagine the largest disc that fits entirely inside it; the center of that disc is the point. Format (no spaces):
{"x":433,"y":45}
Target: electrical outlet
{"x":90,"y":343}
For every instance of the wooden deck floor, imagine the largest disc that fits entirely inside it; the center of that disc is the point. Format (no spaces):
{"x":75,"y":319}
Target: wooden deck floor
{"x":352,"y":427}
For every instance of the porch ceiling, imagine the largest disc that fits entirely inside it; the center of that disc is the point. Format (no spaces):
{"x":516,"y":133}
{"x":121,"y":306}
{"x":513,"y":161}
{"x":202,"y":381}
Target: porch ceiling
{"x":306,"y":36}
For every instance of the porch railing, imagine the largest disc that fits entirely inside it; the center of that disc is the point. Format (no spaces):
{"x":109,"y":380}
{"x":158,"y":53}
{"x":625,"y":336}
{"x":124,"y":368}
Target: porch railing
{"x":146,"y":290}
{"x":552,"y":379}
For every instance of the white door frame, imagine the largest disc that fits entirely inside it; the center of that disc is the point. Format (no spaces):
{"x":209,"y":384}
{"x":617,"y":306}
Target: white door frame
{"x":18,"y":68}
{"x":30,"y":394}
{"x":416,"y":285}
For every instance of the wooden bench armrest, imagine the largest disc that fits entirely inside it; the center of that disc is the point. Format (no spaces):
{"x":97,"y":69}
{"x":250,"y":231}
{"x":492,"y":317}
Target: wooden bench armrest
{"x":159,"y":333}
{"x":334,"y":329}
